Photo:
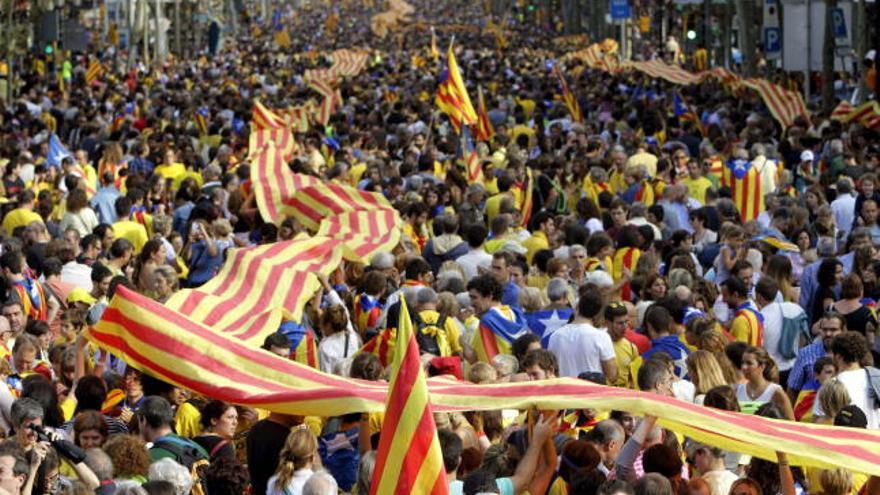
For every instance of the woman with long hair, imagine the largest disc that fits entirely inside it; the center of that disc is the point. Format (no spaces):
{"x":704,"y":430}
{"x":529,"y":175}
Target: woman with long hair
{"x":112,"y":161}
{"x":153,"y":254}
{"x":858,"y":317}
{"x":340,"y":341}
{"x":295,"y":463}
{"x":779,"y":269}
{"x":761,"y":374}
{"x":79,"y":216}
{"x":830,"y":273}
{"x":705,"y":373}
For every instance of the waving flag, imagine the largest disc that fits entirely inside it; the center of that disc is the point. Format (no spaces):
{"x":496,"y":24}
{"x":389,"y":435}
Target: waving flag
{"x":94,"y":72}
{"x":574,"y":108}
{"x":157,"y":340}
{"x":382,"y":346}
{"x":452,"y":96}
{"x":483,"y":130}
{"x":546,"y":321}
{"x":409,"y":460}
{"x":499,"y":327}
{"x":263,"y":118}
{"x":684,"y":113}
{"x":471,"y":158}
{"x":744,"y":181}
{"x":57,"y":152}
{"x":803,"y":405}
{"x":780,"y":244}
{"x":528,"y":202}
{"x":867,"y":114}
{"x":367,"y":310}
{"x":303,"y":347}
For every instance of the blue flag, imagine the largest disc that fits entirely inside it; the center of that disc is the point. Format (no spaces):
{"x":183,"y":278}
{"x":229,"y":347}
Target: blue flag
{"x":678,"y":107}
{"x":546,"y":321}
{"x":57,"y":152}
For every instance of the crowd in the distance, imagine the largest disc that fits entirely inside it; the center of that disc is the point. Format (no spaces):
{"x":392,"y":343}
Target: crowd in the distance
{"x":633,"y":267}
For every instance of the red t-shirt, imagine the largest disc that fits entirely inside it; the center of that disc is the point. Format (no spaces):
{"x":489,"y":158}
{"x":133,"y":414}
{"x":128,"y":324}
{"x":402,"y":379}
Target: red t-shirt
{"x":642,"y":343}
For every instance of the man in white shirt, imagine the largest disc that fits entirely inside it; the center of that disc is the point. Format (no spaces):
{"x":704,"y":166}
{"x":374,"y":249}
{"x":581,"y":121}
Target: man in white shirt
{"x":765,"y":167}
{"x":709,"y":461}
{"x":774,"y":312}
{"x":844,"y":206}
{"x":848,"y":350}
{"x":581,"y":347}
{"x":476,"y":257}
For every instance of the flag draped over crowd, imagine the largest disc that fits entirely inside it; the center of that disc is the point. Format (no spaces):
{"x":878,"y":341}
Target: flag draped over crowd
{"x":167,"y":344}
{"x":785,"y":105}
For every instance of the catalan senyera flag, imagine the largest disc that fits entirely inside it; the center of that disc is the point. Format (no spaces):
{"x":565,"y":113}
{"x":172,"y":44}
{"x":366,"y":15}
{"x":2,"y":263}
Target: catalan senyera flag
{"x":867,"y":114}
{"x":280,"y":137}
{"x":499,"y":327}
{"x":471,"y":158}
{"x":168,"y":345}
{"x":628,"y":258}
{"x":744,"y":181}
{"x":803,"y":405}
{"x":574,"y":108}
{"x":408,"y":460}
{"x":528,"y":200}
{"x":94,"y":72}
{"x":367,"y":310}
{"x":200,"y":118}
{"x":303,"y":345}
{"x":263,"y":118}
{"x":483,"y":130}
{"x":748,"y":325}
{"x":382,"y":346}
{"x":452,"y":96}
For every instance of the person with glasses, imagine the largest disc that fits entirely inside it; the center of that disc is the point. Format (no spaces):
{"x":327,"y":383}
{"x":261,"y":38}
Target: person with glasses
{"x":830,"y":326}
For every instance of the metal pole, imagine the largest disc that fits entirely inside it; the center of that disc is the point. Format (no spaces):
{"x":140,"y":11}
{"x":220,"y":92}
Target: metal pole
{"x":10,"y":48}
{"x":158,"y":54}
{"x":809,"y":50}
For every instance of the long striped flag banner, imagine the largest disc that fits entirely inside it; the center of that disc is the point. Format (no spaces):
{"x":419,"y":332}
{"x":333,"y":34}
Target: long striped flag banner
{"x":867,"y":114}
{"x":408,"y":460}
{"x":263,"y":118}
{"x":172,"y":347}
{"x":784,"y":105}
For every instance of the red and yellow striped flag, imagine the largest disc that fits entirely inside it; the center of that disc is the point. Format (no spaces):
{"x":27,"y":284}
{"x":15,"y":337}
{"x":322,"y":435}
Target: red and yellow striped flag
{"x":162,"y":342}
{"x":744,"y":181}
{"x":625,"y":258}
{"x":867,"y":114}
{"x":483,"y":130}
{"x":263,"y":118}
{"x":528,"y":201}
{"x":568,"y":97}
{"x":452,"y":96}
{"x":409,"y":460}
{"x":94,"y":72}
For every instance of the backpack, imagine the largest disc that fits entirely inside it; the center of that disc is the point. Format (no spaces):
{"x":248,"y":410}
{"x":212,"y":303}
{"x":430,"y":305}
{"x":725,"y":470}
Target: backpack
{"x":792,"y":330}
{"x":873,"y":384}
{"x":189,"y":455}
{"x":428,"y":343}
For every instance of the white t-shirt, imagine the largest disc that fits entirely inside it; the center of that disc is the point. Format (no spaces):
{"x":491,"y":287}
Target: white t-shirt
{"x":857,"y":386}
{"x":773,"y":314}
{"x":581,"y":347}
{"x":470,"y":261}
{"x":294,"y":487}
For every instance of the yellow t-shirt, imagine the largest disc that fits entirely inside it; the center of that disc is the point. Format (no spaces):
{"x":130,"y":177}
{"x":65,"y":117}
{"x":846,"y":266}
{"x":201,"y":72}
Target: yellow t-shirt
{"x":697,"y":188}
{"x":175,"y":184}
{"x":19,"y":217}
{"x":187,"y":421}
{"x":493,"y":205}
{"x":643,"y":158}
{"x":172,"y":171}
{"x":133,"y":231}
{"x":535,"y":243}
{"x":625,"y":352}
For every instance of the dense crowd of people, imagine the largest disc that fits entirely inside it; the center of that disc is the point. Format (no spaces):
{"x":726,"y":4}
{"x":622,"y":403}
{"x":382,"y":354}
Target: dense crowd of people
{"x":610,"y":250}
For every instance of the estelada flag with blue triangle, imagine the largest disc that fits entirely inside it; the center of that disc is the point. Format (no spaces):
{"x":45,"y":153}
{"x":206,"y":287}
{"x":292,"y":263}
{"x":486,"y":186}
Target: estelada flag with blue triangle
{"x":744,"y":181}
{"x":57,"y":152}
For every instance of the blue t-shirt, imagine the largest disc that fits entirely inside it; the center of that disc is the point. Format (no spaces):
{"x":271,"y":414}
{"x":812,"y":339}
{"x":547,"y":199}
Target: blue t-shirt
{"x":203,"y":266}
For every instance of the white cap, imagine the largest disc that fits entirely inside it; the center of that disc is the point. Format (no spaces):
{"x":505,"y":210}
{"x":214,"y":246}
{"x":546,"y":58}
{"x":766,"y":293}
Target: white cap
{"x":807,"y":156}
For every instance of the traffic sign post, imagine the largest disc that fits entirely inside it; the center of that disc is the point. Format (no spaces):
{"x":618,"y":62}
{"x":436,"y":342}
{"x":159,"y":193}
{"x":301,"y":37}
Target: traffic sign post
{"x":620,"y":10}
{"x":772,"y":42}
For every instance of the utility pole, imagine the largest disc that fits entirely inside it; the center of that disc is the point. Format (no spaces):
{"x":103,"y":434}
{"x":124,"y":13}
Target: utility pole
{"x":10,"y":49}
{"x":828,"y":47}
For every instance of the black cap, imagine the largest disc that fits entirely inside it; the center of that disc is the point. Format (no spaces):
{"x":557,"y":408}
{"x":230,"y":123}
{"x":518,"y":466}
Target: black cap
{"x":852,"y":417}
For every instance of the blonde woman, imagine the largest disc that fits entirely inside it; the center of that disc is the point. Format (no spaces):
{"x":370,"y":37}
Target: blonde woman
{"x":705,"y":373}
{"x":295,"y":463}
{"x":833,"y":397}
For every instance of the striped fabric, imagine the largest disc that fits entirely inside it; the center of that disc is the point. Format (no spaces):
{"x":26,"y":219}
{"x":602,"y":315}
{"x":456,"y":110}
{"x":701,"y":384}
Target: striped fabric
{"x":571,"y":103}
{"x":784,"y":105}
{"x":331,"y":99}
{"x":280,"y":137}
{"x":452,"y":96}
{"x":303,"y":345}
{"x":744,"y":181}
{"x":659,"y":69}
{"x":867,"y":114}
{"x":382,"y":346}
{"x":168,"y":345}
{"x":408,"y":460}
{"x":200,"y":119}
{"x":94,"y":72}
{"x":483,"y":131}
{"x":625,"y":258}
{"x":528,"y":201}
{"x":263,"y":118}
{"x":499,"y":327}
{"x":366,"y":312}
{"x":748,"y":325}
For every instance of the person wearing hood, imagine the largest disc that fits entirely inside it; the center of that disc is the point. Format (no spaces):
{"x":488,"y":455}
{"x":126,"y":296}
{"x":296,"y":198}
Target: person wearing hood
{"x":447,"y":246}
